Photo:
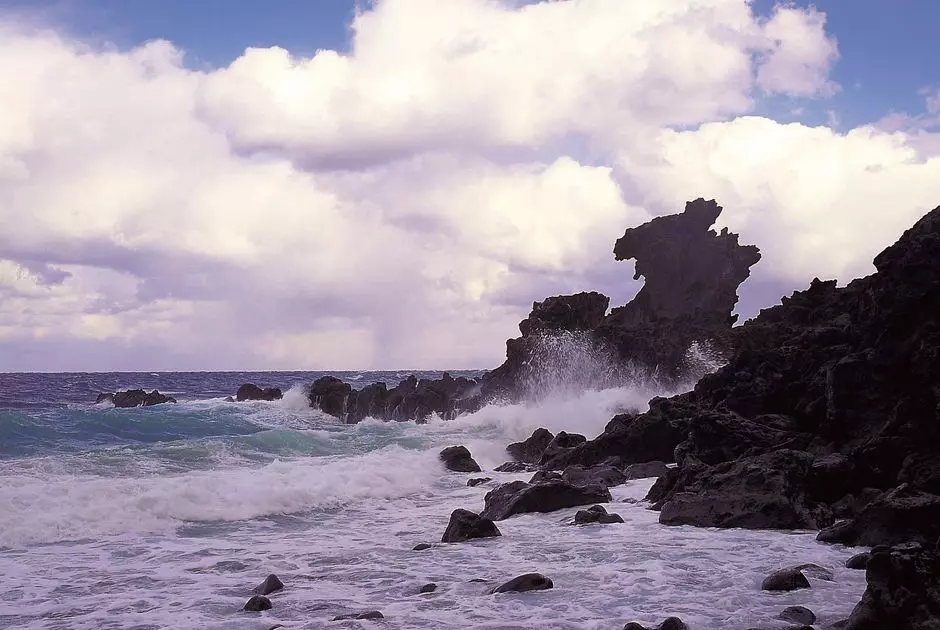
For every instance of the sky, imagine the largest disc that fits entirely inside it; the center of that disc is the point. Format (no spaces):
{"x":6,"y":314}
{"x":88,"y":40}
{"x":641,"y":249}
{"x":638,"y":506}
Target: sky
{"x":297,"y":184}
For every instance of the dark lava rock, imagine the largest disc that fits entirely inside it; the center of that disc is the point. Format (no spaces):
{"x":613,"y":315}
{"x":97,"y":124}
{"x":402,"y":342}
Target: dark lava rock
{"x":422,"y":546}
{"x":458,"y":459}
{"x":257,"y":603}
{"x":476,"y":481}
{"x":545,"y":475}
{"x":799,"y":615}
{"x":270,"y":585}
{"x":428,"y":588}
{"x":512,"y":467}
{"x":645,"y":470}
{"x":330,"y":395}
{"x":671,"y":623}
{"x":785,"y":580}
{"x":523,"y":583}
{"x":561,"y":443}
{"x":858,"y":561}
{"x":761,"y":492}
{"x":466,"y":525}
{"x":135,"y":398}
{"x":595,"y":475}
{"x":531,"y":449}
{"x":249,"y":391}
{"x":903,"y":591}
{"x":372,"y":614}
{"x":519,"y":497}
{"x":596,"y":514}
{"x":900,"y":515}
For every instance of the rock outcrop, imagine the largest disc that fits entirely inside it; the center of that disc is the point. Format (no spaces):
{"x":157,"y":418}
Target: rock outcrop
{"x":467,"y":525}
{"x":412,"y":399}
{"x":134,"y":398}
{"x":250,"y":391}
{"x":458,"y":459}
{"x":691,"y":279}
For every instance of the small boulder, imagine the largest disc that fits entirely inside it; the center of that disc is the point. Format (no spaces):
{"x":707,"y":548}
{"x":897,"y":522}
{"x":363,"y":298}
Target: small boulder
{"x":257,"y":603}
{"x":467,"y":525}
{"x":785,"y":580}
{"x":270,"y":585}
{"x":530,"y":450}
{"x":428,"y":588}
{"x":476,"y":481}
{"x":250,"y":391}
{"x":671,"y":623}
{"x":799,"y":615}
{"x":596,"y":514}
{"x":519,"y":497}
{"x":858,"y":561}
{"x":458,"y":459}
{"x":523,"y":583}
{"x":422,"y":546}
{"x":135,"y":398}
{"x":372,"y":614}
{"x":561,"y":443}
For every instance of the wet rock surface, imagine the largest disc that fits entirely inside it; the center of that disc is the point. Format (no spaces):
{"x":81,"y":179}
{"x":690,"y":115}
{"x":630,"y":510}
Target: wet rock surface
{"x":458,"y":459}
{"x":134,"y":398}
{"x":467,"y":525}
{"x":250,"y":391}
{"x":519,"y":497}
{"x":524,"y":583}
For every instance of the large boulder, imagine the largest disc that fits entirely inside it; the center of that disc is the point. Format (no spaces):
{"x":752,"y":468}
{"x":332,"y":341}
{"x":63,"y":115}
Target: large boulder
{"x":331,"y":396}
{"x":467,"y":525}
{"x":761,"y":492}
{"x":900,"y":515}
{"x":903,"y":591}
{"x":250,"y":391}
{"x":519,"y":497}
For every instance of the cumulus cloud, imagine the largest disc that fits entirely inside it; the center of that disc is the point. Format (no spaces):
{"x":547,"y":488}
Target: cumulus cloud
{"x":402,"y":205}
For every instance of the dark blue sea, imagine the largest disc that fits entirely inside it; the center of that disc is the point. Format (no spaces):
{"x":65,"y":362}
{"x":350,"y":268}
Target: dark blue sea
{"x":168,"y":516}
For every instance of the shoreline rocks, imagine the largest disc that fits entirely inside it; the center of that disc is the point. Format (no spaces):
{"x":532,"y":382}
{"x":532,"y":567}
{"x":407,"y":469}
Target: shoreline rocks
{"x":458,"y":459}
{"x":250,"y":391}
{"x":134,"y":398}
{"x":467,"y":525}
{"x":519,"y":497}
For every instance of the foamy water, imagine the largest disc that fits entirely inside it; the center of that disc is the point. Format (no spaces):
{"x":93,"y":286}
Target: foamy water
{"x":174,"y":532}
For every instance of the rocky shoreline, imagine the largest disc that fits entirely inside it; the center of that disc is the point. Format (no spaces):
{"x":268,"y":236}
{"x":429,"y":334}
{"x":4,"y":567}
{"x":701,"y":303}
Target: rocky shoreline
{"x":825,"y":415}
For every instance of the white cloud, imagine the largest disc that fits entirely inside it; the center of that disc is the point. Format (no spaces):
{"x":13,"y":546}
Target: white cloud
{"x":402,"y":206}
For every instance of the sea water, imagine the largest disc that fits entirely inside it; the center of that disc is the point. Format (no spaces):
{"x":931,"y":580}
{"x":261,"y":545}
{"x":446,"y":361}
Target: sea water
{"x":168,"y":516}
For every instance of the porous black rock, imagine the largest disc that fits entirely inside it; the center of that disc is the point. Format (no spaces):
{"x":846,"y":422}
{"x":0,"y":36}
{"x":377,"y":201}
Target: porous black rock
{"x":458,"y":459}
{"x":523,"y":583}
{"x":903,"y":590}
{"x":257,"y":603}
{"x":270,"y":585}
{"x":519,"y":497}
{"x":467,"y":525}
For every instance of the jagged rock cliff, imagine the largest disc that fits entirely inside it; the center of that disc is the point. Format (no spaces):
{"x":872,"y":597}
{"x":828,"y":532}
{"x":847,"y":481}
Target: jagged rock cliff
{"x":692,"y":275}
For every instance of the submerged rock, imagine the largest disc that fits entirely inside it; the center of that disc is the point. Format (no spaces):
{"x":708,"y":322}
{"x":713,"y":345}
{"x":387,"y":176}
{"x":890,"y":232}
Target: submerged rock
{"x":370,"y":615}
{"x":519,"y":497}
{"x":257,"y":603}
{"x":467,"y":525}
{"x":422,"y":546}
{"x":458,"y":459}
{"x":270,"y":585}
{"x":671,"y":623}
{"x":250,"y":391}
{"x":476,"y":481}
{"x":430,"y":587}
{"x":134,"y":398}
{"x":523,"y":583}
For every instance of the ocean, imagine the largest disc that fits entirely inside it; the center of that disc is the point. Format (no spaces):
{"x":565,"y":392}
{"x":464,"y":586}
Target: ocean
{"x":168,"y":516}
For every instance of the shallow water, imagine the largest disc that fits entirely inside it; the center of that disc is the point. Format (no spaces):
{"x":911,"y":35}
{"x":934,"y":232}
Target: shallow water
{"x":166,"y":517}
